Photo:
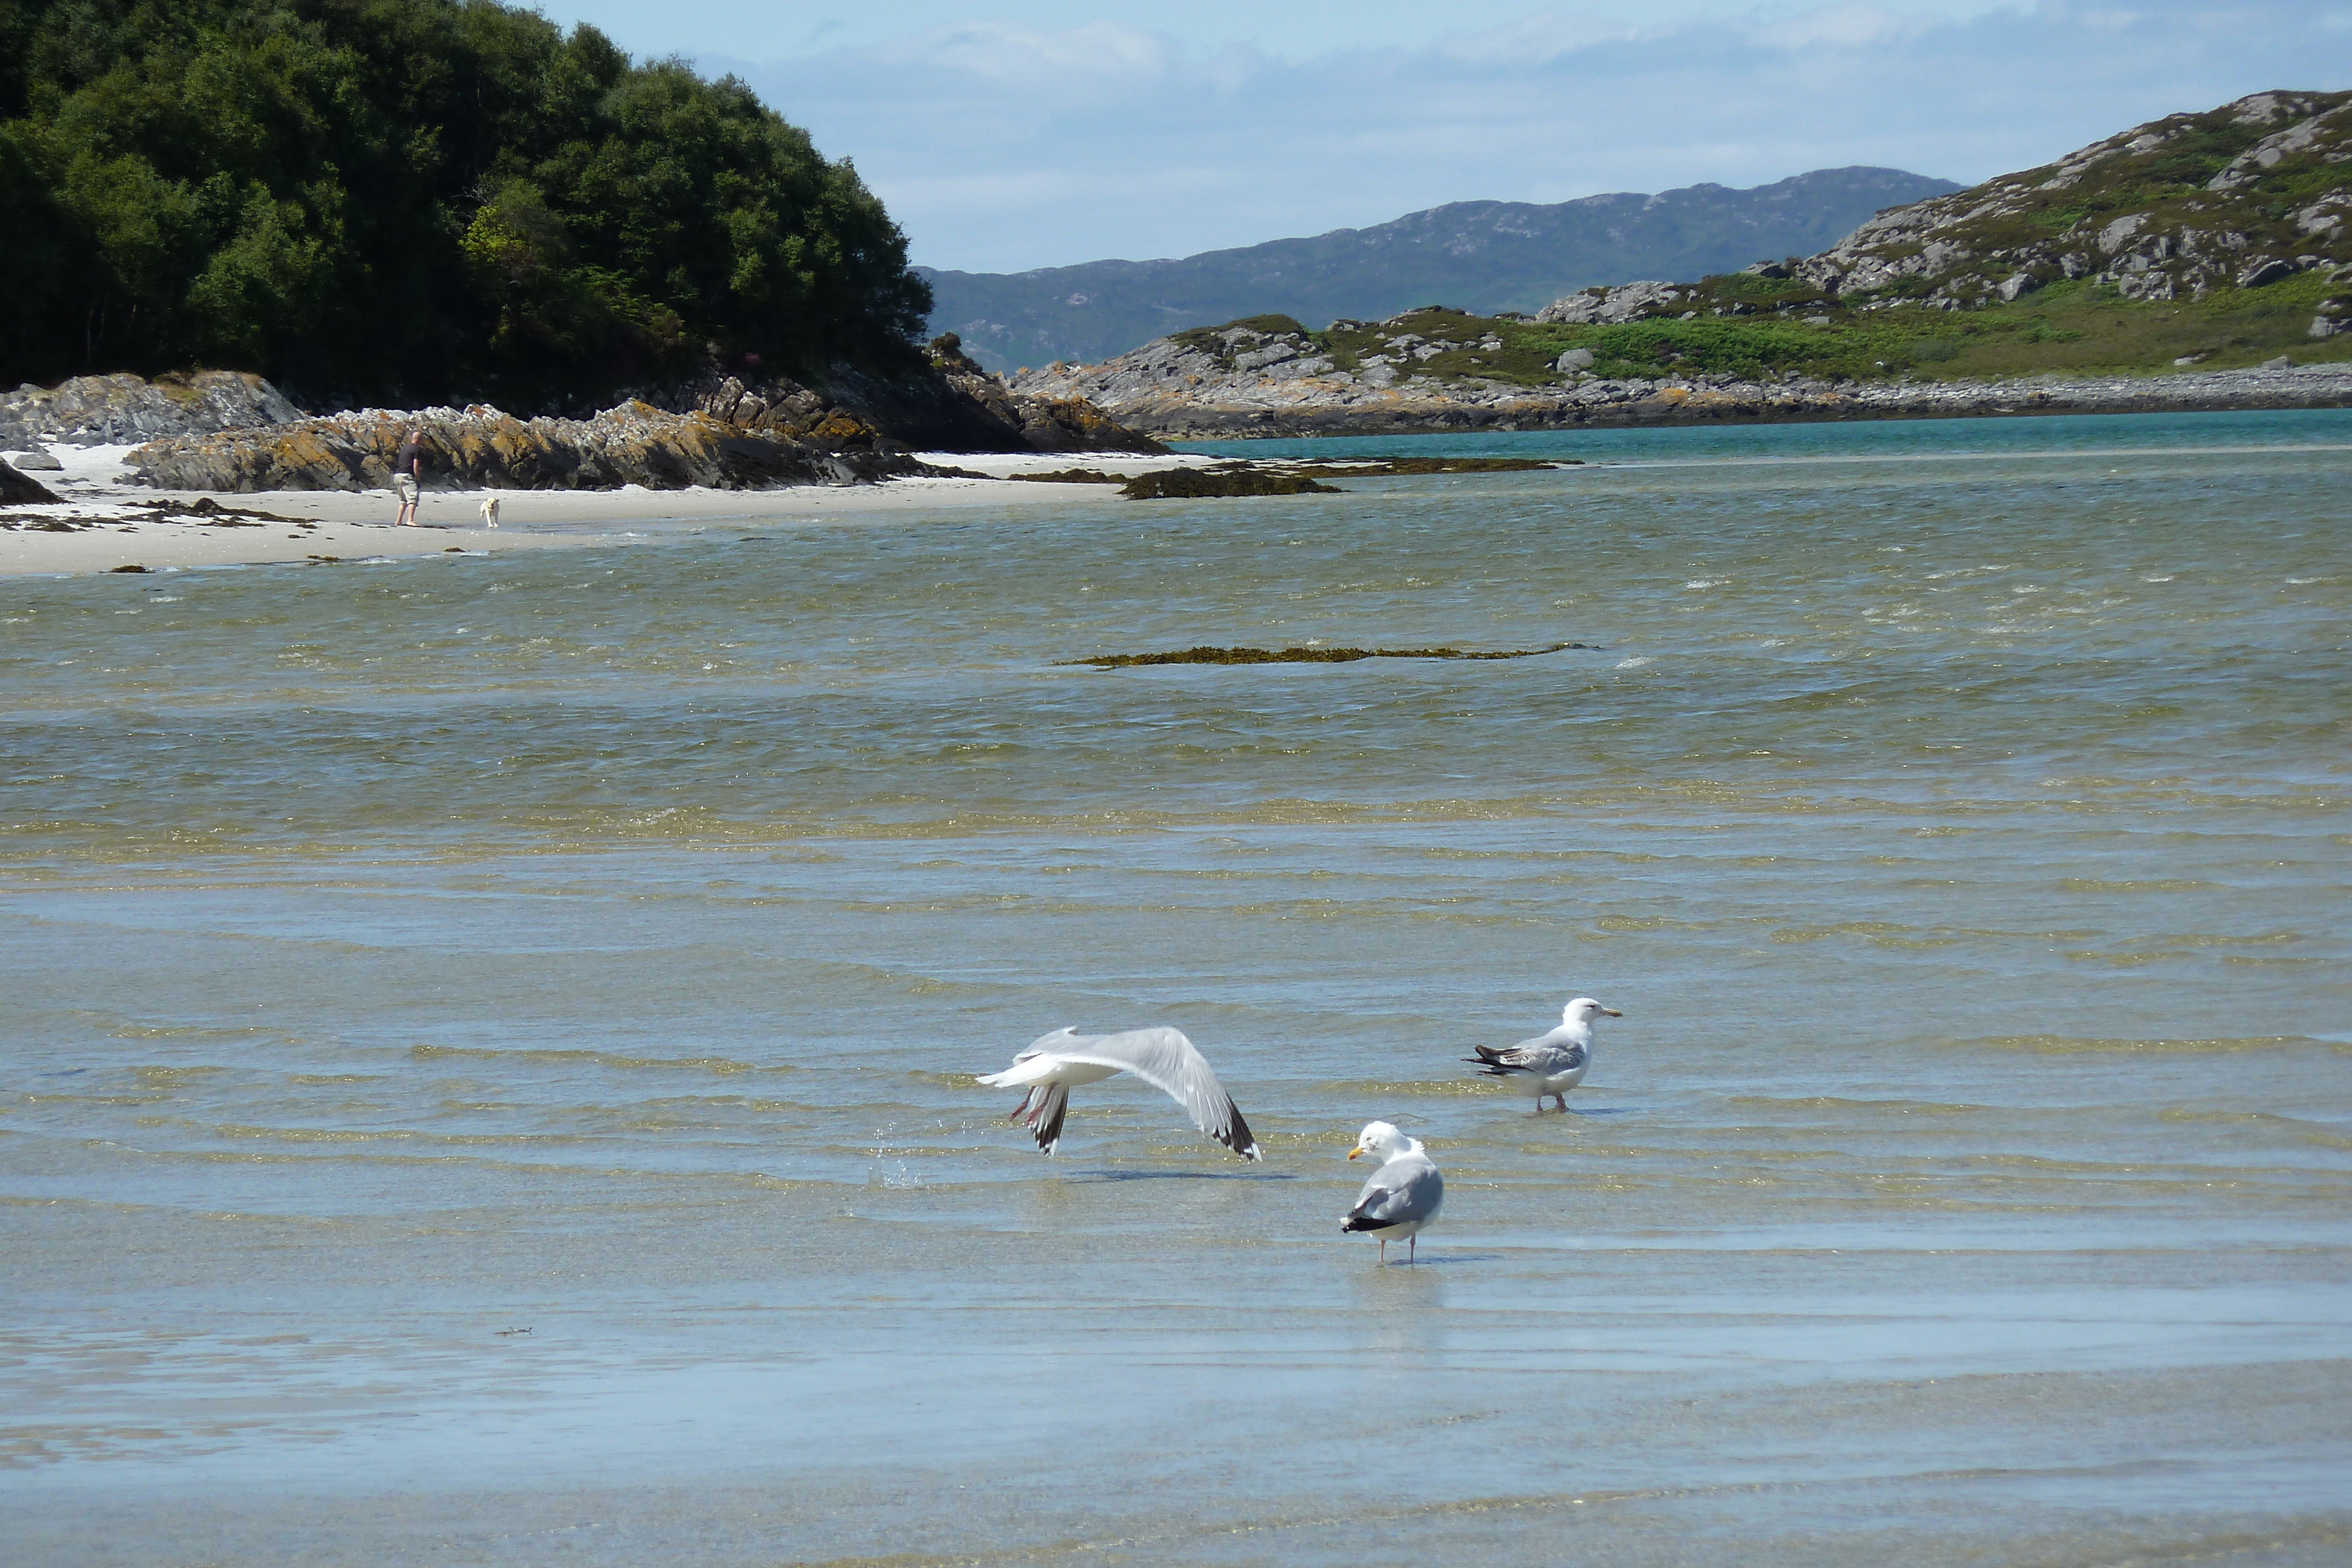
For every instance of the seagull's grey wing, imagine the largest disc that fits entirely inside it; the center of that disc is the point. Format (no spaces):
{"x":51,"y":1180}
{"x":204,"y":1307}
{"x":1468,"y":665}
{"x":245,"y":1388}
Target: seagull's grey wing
{"x":1406,"y":1190}
{"x":1544,"y":1054}
{"x":1164,"y":1059}
{"x":1055,"y":1041}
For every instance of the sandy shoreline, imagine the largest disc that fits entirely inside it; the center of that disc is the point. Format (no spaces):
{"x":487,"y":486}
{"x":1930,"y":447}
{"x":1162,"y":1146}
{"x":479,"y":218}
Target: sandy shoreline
{"x":117,"y":524}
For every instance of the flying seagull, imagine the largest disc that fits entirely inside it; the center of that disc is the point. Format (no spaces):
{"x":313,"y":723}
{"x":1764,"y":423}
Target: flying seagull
{"x":1403,"y":1196}
{"x":1055,"y":1063}
{"x":1550,"y":1063}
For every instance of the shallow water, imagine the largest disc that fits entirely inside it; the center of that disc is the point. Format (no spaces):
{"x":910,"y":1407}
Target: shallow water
{"x":486,"y":1074}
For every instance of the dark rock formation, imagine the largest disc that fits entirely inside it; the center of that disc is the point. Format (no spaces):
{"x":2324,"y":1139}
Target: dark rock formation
{"x":17,"y":490}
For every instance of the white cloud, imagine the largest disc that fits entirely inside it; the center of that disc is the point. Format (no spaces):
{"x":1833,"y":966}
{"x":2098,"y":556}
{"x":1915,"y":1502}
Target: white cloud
{"x":1001,"y":146}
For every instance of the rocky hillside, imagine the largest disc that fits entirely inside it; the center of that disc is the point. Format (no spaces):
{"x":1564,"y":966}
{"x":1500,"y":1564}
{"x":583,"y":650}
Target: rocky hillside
{"x":2214,"y":241}
{"x":2246,"y":194}
{"x":1483,"y":256}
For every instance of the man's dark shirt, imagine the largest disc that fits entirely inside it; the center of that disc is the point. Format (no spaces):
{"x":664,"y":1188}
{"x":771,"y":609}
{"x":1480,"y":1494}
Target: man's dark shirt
{"x":411,"y":458}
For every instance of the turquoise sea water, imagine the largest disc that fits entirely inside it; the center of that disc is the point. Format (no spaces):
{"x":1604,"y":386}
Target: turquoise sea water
{"x":487,"y":1075}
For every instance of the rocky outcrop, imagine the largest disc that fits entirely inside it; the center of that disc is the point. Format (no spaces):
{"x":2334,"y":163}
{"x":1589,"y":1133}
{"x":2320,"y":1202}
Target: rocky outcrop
{"x":1607,"y":306}
{"x":722,"y":431}
{"x":482,"y":447}
{"x":121,"y":410}
{"x":223,"y":431}
{"x":947,"y":404}
{"x":17,"y":490}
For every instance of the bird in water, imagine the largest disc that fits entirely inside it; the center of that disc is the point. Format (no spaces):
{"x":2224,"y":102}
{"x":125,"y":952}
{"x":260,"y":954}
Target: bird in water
{"x":1403,"y":1196}
{"x":1550,"y":1064}
{"x":1055,"y":1063}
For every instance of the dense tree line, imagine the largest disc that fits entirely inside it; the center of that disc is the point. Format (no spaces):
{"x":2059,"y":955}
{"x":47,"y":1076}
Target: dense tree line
{"x":413,"y":200}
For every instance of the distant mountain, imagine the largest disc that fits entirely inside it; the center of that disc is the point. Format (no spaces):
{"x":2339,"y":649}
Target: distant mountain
{"x":1486,"y":257}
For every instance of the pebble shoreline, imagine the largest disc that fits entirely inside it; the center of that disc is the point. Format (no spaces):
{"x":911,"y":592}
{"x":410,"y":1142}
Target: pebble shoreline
{"x":1249,"y":405}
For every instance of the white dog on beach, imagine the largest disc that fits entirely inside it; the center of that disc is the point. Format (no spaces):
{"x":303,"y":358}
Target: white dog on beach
{"x":489,"y":511}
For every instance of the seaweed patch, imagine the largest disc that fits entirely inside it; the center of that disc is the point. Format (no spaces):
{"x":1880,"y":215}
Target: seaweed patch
{"x":1208,"y":656}
{"x":1190,"y":484}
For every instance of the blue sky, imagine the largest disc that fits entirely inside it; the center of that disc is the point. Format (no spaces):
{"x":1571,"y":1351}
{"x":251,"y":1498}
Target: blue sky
{"x":1007,"y":137}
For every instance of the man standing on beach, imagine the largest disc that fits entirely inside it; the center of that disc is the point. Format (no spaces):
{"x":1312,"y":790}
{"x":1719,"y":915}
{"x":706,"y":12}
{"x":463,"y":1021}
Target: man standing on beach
{"x":407,"y":474}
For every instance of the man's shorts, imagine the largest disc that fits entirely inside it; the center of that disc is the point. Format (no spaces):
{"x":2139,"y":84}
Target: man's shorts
{"x":406,"y":485}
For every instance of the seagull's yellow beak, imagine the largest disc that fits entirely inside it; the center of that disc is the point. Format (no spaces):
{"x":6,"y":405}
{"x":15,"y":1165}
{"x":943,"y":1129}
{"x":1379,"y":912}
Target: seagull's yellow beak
{"x":1612,"y":1012}
{"x":1354,"y":1151}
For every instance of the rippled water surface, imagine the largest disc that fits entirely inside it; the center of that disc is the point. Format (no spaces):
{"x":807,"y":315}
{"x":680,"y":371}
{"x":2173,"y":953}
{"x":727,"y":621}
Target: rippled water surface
{"x":487,"y":1069}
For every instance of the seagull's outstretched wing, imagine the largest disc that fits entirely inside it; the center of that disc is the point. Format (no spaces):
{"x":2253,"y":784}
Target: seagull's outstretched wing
{"x":1406,"y":1190}
{"x":1164,"y":1059}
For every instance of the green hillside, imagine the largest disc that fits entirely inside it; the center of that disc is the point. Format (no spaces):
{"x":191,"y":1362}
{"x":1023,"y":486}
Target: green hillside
{"x":2077,"y":328}
{"x":411,"y":201}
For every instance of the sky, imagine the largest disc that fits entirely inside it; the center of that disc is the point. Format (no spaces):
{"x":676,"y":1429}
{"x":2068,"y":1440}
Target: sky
{"x":1005,"y":137}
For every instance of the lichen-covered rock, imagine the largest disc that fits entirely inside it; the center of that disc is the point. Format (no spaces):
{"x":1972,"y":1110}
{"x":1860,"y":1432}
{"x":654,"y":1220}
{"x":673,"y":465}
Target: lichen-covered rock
{"x":104,"y":410}
{"x":1607,"y":306}
{"x":484,"y":448}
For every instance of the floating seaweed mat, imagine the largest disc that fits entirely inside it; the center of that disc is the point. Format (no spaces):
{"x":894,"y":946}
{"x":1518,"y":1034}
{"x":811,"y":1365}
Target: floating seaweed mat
{"x":1207,"y":655}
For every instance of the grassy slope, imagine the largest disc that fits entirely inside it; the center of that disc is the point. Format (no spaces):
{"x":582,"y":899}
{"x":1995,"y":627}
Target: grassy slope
{"x":2074,"y":328}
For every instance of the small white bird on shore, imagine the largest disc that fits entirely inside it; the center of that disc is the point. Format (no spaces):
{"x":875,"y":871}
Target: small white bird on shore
{"x":1055,"y":1063}
{"x":1405,"y":1194}
{"x":1550,"y":1064}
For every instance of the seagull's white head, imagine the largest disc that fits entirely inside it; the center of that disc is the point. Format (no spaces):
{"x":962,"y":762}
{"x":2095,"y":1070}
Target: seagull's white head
{"x":1584,"y":1011}
{"x":1383,"y":1141}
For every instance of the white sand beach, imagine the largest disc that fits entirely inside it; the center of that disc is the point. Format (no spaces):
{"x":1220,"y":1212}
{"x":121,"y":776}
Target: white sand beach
{"x":104,"y":522}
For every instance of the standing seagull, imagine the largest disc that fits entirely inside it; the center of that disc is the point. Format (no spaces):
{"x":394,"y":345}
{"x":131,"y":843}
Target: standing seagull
{"x":1056,"y":1064}
{"x":1403,"y":1196}
{"x":1550,"y":1063}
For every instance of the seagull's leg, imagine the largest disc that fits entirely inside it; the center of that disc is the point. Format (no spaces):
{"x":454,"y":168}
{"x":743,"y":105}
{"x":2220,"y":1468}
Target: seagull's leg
{"x":1412,"y":1249}
{"x":1385,"y":1251}
{"x":1026,"y":1096}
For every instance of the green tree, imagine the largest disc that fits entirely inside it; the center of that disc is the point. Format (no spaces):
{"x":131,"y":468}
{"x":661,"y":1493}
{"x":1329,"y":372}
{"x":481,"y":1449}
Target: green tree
{"x":414,"y":200}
